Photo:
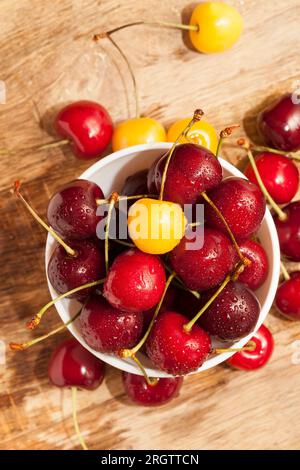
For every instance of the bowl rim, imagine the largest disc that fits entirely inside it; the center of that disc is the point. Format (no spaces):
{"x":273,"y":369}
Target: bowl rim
{"x":128,"y":365}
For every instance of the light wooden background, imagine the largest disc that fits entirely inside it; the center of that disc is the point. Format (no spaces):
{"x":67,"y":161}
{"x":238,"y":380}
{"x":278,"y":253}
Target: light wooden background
{"x":47,"y":59}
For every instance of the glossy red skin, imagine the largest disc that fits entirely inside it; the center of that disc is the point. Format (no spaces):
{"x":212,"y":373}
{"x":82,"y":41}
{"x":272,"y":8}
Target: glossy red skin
{"x":233,"y":314}
{"x":87,"y":125}
{"x":279,"y":175}
{"x":256,"y":273}
{"x":287,"y":300}
{"x":241,"y":203}
{"x":72,"y":210}
{"x":173,"y":350}
{"x":107,"y":329}
{"x":67,"y":272}
{"x":71,"y":365}
{"x":143,"y":394}
{"x":252,"y":360}
{"x":135,"y":281}
{"x":206,"y":267}
{"x":279,"y":124}
{"x":192,"y":170}
{"x":289,"y":231}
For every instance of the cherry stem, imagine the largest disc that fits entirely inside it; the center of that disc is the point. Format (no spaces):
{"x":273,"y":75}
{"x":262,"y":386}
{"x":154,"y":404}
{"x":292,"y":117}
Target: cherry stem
{"x":56,"y":143}
{"x":112,"y":201}
{"x":75,"y":421}
{"x":23,"y":346}
{"x":284,"y":271}
{"x":239,"y":268}
{"x":121,"y":242}
{"x":224,"y":134}
{"x":250,"y":346}
{"x":197,"y":117}
{"x":262,"y":148}
{"x":246,"y":145}
{"x":99,"y":202}
{"x":161,"y":24}
{"x":131,"y":352}
{"x":150,"y":381}
{"x":244,"y":260}
{"x":16,"y":191}
{"x":32,"y":324}
{"x":181,"y":283}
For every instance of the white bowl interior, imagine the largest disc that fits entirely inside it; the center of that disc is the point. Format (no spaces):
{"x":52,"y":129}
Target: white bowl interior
{"x":110,"y":173}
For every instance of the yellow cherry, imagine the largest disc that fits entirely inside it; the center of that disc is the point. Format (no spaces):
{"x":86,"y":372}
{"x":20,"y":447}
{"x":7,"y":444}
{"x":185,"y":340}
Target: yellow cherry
{"x":219,"y":27}
{"x":201,"y":133}
{"x":142,"y":130}
{"x":156,"y":226}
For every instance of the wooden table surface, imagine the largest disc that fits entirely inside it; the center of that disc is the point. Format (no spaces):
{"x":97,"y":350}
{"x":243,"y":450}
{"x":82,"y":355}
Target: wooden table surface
{"x":47,"y":59}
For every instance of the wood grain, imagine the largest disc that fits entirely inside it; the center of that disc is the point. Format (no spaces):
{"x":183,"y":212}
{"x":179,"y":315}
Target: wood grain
{"x":47,"y":59}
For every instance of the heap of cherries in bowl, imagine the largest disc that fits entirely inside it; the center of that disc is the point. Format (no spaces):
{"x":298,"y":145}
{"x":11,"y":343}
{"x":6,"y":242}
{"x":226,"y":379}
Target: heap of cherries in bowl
{"x":156,"y":295}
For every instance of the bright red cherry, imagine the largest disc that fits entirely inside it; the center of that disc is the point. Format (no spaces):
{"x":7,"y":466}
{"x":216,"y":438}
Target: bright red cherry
{"x":107,"y":329}
{"x":144,"y":394}
{"x":233,"y":314}
{"x":72,"y":210}
{"x":279,"y":175}
{"x":287,"y":300}
{"x":289,"y":231}
{"x":192,"y":170}
{"x":255,"y":274}
{"x":87,"y":125}
{"x":255,"y":358}
{"x":71,"y":365}
{"x":174,"y":350}
{"x":241,"y":203}
{"x":279,"y":124}
{"x":67,"y":272}
{"x":135,"y":281}
{"x":204,"y":267}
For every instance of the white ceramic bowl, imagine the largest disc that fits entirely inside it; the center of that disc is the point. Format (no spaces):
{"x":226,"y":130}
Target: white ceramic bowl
{"x":110,"y":173}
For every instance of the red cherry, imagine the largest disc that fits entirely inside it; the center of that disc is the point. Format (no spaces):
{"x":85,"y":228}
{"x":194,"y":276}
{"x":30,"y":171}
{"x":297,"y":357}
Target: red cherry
{"x":87,"y":125}
{"x":289,"y":231}
{"x":205,"y":267}
{"x":192,"y":170}
{"x":258,"y":357}
{"x":279,"y":124}
{"x":255,"y":274}
{"x":135,"y":281}
{"x":107,"y":329}
{"x":279,"y":175}
{"x":144,"y":394}
{"x":136,"y":184}
{"x":71,"y":365}
{"x":241,"y":203}
{"x":174,"y":350}
{"x":233,"y":314}
{"x":67,"y":272}
{"x":287,"y":300}
{"x":72,"y":210}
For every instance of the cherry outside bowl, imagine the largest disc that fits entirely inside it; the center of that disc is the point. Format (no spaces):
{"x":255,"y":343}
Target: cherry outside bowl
{"x":110,"y":173}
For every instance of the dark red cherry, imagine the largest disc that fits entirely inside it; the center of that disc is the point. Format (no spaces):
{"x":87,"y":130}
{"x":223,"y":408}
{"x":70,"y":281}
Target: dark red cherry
{"x":107,"y":329}
{"x":67,"y":272}
{"x":174,"y":350}
{"x":71,"y":365}
{"x":192,"y":170}
{"x":279,"y":124}
{"x":233,"y":314}
{"x":204,"y":267}
{"x":136,"y":184}
{"x":241,"y":203}
{"x":256,"y":273}
{"x":72,"y":210}
{"x":287,"y":300}
{"x":279,"y":175}
{"x":144,"y":394}
{"x":88,"y":127}
{"x":135,"y":281}
{"x":258,"y":357}
{"x":289,"y":231}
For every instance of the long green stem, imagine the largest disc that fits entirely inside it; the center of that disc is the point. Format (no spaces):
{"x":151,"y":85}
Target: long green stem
{"x":150,"y":381}
{"x":161,"y":24}
{"x":250,"y":346}
{"x":112,"y":201}
{"x":284,"y":271}
{"x":291,"y":155}
{"x":183,"y":286}
{"x":75,"y":420}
